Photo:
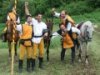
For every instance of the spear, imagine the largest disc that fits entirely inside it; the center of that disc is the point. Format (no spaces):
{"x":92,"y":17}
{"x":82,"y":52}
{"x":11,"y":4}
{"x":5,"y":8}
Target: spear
{"x":13,"y":44}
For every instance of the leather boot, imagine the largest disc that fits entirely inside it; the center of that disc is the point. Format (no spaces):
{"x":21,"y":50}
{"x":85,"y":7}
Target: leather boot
{"x":28,"y":65}
{"x":63,"y":54}
{"x":32,"y":64}
{"x":20,"y":66}
{"x":40,"y":62}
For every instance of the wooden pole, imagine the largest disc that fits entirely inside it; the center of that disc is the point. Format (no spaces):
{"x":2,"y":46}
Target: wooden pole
{"x":13,"y":45}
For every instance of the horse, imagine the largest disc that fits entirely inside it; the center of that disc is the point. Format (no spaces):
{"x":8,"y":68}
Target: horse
{"x":9,"y":36}
{"x":86,"y":29}
{"x":47,"y":39}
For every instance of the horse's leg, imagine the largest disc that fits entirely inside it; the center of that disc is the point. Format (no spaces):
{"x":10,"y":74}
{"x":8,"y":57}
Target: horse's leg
{"x":80,"y":52}
{"x":86,"y":54}
{"x":9,"y":45}
{"x":48,"y":45}
{"x":16,"y":49}
{"x":16,"y":52}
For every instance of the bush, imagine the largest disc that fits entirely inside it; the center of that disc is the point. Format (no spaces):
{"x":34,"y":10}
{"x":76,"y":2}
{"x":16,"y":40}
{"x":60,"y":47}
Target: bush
{"x":74,"y":7}
{"x":77,"y":8}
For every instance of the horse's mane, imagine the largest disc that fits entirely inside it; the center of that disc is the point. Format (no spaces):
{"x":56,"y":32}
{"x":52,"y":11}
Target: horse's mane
{"x":87,"y":24}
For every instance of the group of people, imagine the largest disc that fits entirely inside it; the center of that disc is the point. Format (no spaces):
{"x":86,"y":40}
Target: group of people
{"x":34,"y":30}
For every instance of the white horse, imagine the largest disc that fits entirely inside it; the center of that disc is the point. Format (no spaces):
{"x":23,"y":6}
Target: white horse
{"x":86,"y":29}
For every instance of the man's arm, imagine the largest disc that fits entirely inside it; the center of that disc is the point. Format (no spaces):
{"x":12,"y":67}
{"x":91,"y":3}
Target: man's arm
{"x":56,"y":14}
{"x":19,"y":28}
{"x":26,"y":9}
{"x":70,"y":20}
{"x":18,"y":20}
{"x":68,"y":26}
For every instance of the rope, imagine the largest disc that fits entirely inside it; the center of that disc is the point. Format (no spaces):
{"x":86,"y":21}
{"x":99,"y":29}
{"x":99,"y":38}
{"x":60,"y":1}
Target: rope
{"x":13,"y":45}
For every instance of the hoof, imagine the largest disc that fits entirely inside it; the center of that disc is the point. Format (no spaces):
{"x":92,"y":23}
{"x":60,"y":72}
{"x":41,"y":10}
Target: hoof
{"x":86,"y":62}
{"x":72,"y":63}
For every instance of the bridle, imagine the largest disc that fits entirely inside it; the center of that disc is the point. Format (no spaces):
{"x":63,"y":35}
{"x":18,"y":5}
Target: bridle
{"x":86,"y":37}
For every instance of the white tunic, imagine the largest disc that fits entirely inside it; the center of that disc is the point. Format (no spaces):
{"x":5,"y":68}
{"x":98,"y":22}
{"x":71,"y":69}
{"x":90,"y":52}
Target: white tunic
{"x":74,"y":29}
{"x":38,"y":28}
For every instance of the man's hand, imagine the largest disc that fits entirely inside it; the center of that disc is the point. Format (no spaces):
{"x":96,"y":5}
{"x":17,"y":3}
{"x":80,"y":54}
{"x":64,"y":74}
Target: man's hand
{"x":26,"y":3}
{"x":26,"y":9}
{"x":53,"y":11}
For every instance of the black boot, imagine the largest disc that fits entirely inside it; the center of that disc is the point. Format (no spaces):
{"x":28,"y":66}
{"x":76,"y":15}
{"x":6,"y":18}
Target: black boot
{"x":63,"y":54}
{"x":33,"y":64}
{"x":72,"y":55}
{"x":40,"y":62}
{"x":20,"y":66}
{"x":28,"y":65}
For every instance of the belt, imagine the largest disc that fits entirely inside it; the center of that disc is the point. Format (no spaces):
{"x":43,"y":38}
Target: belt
{"x":37,"y":36}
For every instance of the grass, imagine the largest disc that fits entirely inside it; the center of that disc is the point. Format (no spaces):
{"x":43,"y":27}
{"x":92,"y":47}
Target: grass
{"x":55,"y":66}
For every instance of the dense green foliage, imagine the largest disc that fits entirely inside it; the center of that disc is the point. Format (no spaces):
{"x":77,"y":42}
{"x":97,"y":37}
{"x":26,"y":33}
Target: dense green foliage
{"x":74,"y":7}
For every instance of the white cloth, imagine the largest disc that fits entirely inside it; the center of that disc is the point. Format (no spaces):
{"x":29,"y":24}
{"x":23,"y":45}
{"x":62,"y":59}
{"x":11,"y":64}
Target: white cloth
{"x":56,"y":14}
{"x":38,"y":28}
{"x":36,"y":40}
{"x":19,"y":28}
{"x":76,"y":30}
{"x":69,"y":26}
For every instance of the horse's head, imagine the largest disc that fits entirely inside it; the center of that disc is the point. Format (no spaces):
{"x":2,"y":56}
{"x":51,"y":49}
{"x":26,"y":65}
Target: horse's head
{"x":9,"y":25}
{"x":49,"y":23}
{"x":89,"y":31}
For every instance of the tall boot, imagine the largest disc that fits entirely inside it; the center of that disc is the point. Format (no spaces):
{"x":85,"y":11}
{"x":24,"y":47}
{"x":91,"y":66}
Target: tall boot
{"x":40,"y":62}
{"x":20,"y":66}
{"x":63,"y":54}
{"x":28,"y":65}
{"x":32,"y":64}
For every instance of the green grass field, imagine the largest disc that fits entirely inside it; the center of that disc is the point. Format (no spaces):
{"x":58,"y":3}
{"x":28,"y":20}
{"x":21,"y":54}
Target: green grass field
{"x":55,"y":66}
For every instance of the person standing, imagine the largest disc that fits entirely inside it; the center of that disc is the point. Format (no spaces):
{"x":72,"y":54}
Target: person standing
{"x":26,"y":32}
